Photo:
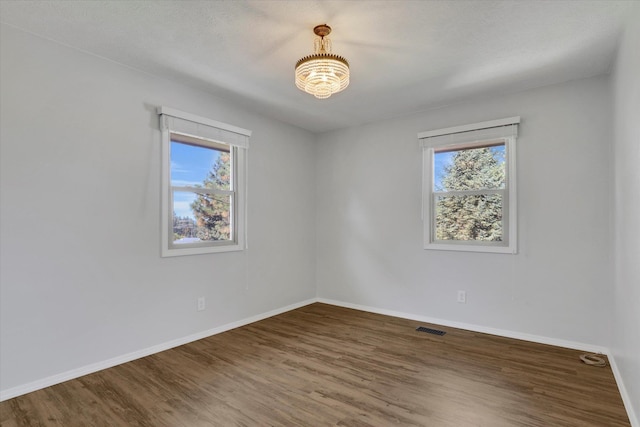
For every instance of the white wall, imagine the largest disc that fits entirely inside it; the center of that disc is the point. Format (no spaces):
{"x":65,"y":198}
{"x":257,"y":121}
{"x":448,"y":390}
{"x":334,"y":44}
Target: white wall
{"x":81,"y":277}
{"x":558,"y":285}
{"x":626,"y":167}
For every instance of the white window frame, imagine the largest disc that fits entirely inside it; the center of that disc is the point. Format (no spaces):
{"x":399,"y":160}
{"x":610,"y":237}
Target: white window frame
{"x":207,"y":133}
{"x":466,"y":137}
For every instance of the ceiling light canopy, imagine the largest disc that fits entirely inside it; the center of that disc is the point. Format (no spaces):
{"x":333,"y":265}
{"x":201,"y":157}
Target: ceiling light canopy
{"x":323,"y":73}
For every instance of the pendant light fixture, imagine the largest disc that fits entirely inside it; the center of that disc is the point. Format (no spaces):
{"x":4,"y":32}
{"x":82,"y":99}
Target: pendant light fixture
{"x":323,"y":73}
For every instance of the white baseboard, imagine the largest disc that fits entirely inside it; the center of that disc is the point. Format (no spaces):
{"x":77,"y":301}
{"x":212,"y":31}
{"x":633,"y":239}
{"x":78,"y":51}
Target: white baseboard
{"x":475,"y":328}
{"x":633,"y":418}
{"x":95,"y":367}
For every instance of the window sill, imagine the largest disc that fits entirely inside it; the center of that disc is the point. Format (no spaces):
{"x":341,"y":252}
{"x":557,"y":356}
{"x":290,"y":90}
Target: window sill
{"x":470,"y":248}
{"x":171,"y":252}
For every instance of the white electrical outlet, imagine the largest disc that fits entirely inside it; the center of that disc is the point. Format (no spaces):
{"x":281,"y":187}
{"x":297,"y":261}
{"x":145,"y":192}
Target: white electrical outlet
{"x":202,"y":304}
{"x":462,"y":297}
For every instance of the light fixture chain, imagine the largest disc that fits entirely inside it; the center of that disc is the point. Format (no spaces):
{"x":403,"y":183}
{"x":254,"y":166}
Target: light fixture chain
{"x":322,"y":45}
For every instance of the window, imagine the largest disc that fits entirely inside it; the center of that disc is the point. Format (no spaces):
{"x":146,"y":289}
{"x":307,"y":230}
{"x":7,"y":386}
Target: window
{"x":469,"y":187}
{"x":204,"y":184}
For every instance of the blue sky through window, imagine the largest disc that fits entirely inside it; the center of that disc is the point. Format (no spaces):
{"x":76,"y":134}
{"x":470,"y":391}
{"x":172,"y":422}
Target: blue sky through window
{"x":190,"y":166}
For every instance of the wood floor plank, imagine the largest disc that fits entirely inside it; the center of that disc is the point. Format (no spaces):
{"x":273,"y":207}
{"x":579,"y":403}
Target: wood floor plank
{"x":322,"y":365}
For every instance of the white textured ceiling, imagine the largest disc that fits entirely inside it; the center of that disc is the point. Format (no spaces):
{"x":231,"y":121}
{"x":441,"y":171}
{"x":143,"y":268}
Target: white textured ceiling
{"x":405,"y":56}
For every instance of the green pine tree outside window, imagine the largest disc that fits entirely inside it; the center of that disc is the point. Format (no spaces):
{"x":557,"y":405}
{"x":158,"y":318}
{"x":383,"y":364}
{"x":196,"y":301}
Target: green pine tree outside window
{"x":470,"y":217}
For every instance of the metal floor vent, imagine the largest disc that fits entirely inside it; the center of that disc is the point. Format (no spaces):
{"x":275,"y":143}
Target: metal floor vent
{"x":430,"y":331}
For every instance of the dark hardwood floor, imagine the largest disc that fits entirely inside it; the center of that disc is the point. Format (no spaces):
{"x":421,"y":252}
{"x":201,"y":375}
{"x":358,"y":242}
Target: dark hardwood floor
{"x":322,"y":365}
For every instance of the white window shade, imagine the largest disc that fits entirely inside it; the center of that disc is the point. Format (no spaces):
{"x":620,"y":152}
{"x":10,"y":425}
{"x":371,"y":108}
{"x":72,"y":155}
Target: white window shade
{"x":477,"y":132}
{"x":191,"y":125}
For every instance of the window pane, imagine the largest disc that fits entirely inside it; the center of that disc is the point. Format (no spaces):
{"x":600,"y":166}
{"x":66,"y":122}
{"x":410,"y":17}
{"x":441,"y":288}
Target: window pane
{"x":196,"y":166}
{"x":201,"y":217}
{"x":469,"y":217}
{"x":469,"y":169}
